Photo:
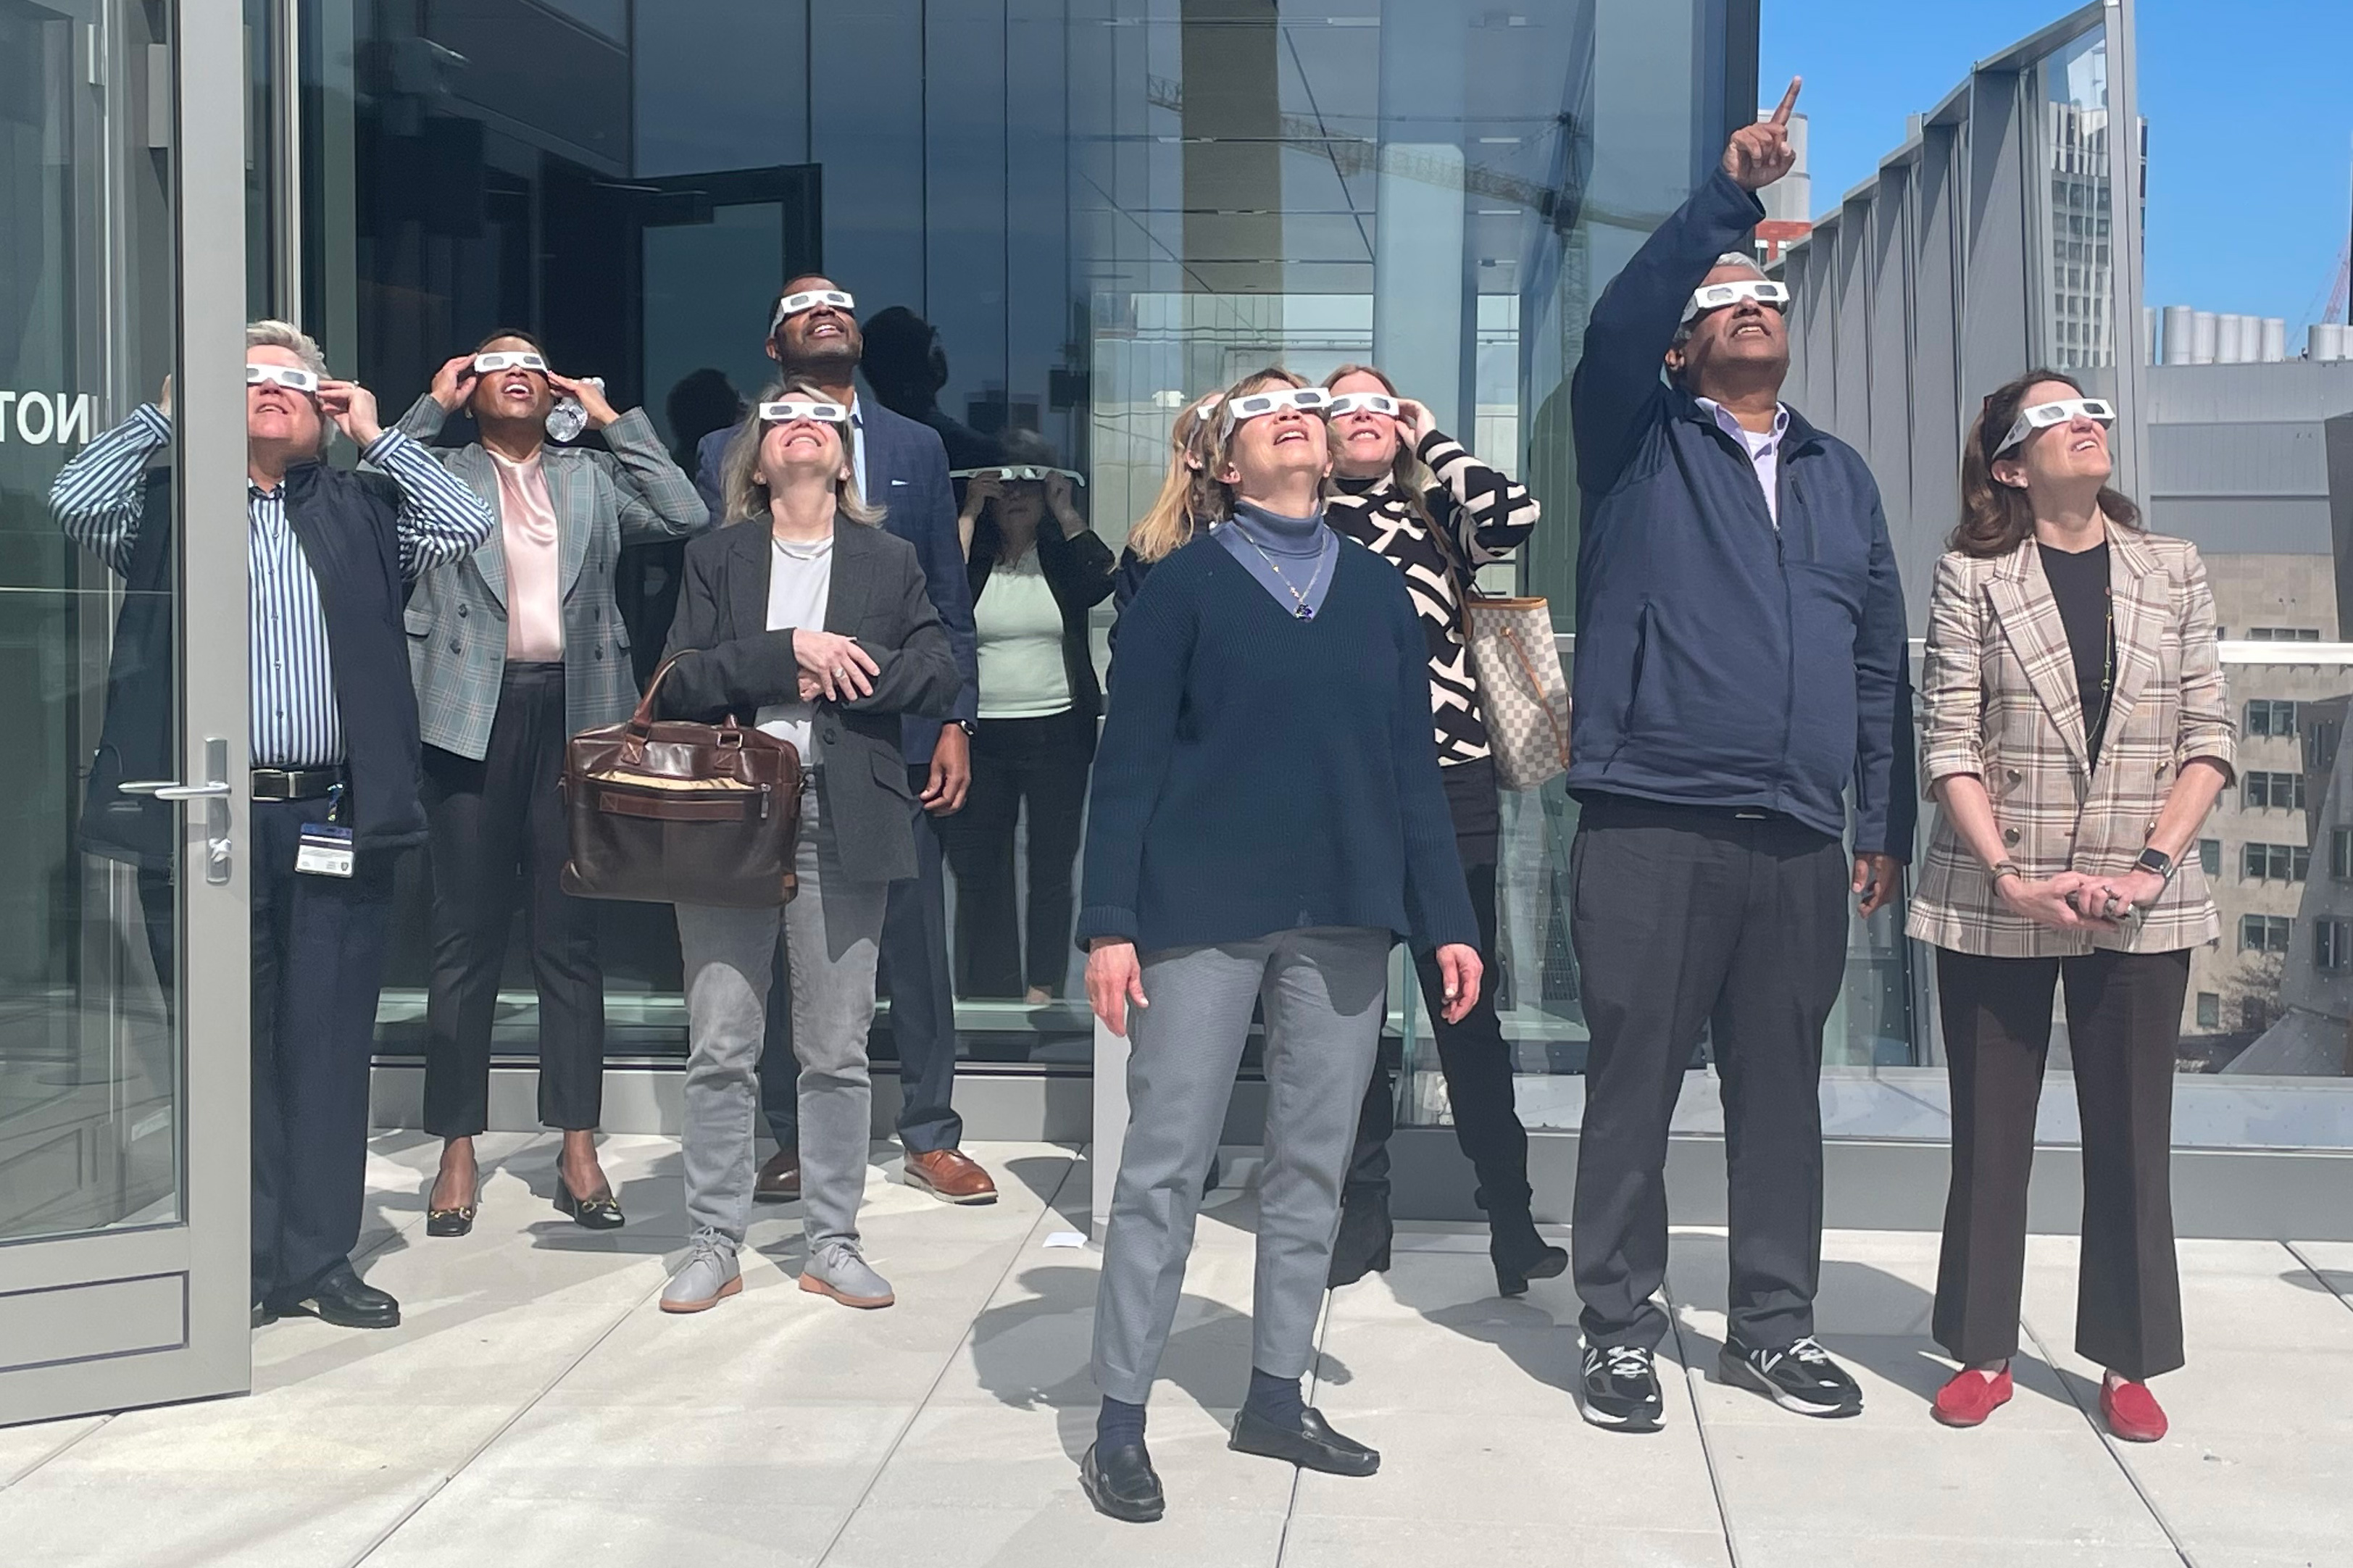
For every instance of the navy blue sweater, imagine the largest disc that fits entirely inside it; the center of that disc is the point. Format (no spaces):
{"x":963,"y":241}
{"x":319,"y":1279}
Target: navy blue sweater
{"x":1721,"y":661}
{"x":1261,"y":773}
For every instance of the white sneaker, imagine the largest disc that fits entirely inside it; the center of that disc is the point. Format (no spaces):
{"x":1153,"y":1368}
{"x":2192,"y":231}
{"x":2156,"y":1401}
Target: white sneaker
{"x":708,"y":1276}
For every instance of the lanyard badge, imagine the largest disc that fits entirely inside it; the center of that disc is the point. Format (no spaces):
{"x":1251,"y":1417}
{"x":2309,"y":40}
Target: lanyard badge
{"x":325,"y":848}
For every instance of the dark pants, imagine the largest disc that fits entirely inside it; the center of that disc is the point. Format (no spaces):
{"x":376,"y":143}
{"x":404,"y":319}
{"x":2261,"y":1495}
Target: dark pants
{"x":1687,"y":917}
{"x":1043,"y":762}
{"x":914,"y":972}
{"x":319,"y":945}
{"x":495,"y":823}
{"x":1473,"y":1054}
{"x":2124,"y":1019}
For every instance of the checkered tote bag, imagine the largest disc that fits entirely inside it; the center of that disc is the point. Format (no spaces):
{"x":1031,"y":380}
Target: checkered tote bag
{"x":1521,"y":685}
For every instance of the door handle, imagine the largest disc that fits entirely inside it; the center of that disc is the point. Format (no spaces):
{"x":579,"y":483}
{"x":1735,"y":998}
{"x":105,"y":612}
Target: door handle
{"x":214,"y":792}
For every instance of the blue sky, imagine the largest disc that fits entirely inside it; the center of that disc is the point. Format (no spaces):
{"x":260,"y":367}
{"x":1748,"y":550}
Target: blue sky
{"x":2250,"y":105}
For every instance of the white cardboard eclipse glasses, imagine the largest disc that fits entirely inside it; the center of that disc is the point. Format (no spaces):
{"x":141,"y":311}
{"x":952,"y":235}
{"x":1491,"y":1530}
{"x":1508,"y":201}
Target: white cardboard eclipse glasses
{"x":292,"y":377}
{"x":2044,"y":415}
{"x":1721,"y":296}
{"x":1012,"y":471}
{"x":1364,"y":402}
{"x":1256,"y":405}
{"x":491,"y":363}
{"x":789,"y":408}
{"x":809,"y":300}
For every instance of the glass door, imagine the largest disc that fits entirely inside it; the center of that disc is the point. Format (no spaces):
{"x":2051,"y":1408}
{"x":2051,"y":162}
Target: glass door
{"x":123,"y":955}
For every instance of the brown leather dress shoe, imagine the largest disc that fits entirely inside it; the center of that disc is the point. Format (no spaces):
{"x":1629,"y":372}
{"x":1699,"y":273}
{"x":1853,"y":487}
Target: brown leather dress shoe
{"x":950,"y":1176}
{"x":779,"y":1180}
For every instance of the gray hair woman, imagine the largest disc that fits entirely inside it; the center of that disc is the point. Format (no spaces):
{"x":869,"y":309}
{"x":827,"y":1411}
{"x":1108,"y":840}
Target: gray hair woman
{"x":807,"y":618}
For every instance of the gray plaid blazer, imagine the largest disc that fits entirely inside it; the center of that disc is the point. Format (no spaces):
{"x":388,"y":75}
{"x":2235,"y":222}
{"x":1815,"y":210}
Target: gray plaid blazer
{"x":458,"y":614}
{"x":1999,"y":685}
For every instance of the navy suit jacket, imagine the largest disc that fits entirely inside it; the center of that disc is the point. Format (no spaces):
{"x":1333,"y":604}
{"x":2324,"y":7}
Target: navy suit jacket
{"x":907,"y":474}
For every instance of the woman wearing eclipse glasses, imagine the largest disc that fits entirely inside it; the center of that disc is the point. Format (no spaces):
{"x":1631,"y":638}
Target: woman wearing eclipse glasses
{"x":805,"y":614}
{"x":1414,"y":496}
{"x":1267,"y":821}
{"x":1035,"y":568}
{"x":2078,"y":733}
{"x":515,"y":648}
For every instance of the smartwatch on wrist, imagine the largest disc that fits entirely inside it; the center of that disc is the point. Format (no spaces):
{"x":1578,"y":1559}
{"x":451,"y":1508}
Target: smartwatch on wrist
{"x":2157,"y":862}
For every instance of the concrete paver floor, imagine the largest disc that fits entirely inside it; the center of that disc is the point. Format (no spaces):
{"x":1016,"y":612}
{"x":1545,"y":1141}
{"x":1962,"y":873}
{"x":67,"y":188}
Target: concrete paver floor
{"x":536,"y":1408}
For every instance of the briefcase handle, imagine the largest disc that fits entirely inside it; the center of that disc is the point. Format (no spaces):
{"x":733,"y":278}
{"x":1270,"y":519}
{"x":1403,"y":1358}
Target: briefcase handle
{"x":641,"y":723}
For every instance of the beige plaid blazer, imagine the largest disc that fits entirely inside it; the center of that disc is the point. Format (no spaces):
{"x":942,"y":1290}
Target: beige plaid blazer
{"x":1999,"y":687}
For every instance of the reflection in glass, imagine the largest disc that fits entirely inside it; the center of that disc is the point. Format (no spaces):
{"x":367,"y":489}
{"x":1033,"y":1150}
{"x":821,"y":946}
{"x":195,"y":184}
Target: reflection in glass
{"x":89,"y":1046}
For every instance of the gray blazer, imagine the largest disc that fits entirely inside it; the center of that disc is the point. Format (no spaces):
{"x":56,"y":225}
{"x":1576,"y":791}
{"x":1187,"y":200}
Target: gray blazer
{"x":730,"y":662}
{"x":457,"y":615}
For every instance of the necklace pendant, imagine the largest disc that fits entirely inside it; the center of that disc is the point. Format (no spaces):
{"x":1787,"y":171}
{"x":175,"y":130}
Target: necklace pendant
{"x":1306,"y":612}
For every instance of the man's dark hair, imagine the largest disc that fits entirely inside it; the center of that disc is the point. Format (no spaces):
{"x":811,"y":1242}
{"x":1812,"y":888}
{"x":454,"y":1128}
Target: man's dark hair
{"x":532,"y":338}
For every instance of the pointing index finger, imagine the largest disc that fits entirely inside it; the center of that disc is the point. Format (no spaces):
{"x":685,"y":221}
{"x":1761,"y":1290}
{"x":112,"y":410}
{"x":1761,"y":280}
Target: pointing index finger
{"x":1789,"y":101}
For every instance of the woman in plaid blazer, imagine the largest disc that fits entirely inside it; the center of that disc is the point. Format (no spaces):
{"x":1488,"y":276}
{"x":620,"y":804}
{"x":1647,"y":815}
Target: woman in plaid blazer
{"x":513,"y":651}
{"x":2077,"y":735}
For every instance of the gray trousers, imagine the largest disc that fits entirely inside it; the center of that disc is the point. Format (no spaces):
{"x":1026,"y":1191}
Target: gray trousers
{"x":1325,"y":992}
{"x":832,"y":931}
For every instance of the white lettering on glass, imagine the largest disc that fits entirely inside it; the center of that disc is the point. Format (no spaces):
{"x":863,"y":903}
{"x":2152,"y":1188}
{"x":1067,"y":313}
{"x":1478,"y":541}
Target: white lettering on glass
{"x":63,"y":419}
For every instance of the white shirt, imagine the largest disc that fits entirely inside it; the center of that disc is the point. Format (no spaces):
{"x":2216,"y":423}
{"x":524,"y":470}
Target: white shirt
{"x":1764,"y":449}
{"x":858,"y":448}
{"x":800,"y":584}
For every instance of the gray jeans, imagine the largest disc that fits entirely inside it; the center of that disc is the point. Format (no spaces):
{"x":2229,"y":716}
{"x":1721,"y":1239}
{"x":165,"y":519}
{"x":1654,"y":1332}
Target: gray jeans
{"x":1324,"y":992}
{"x":832,"y":929}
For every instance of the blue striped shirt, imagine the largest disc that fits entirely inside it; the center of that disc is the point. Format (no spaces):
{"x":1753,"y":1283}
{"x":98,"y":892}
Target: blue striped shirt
{"x":98,"y":499}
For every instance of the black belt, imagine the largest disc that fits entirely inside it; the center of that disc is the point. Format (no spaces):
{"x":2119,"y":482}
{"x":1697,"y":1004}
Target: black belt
{"x":295,"y":784}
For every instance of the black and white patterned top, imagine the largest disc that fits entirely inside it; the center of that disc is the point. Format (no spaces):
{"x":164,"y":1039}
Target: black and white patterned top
{"x":1487,"y":515}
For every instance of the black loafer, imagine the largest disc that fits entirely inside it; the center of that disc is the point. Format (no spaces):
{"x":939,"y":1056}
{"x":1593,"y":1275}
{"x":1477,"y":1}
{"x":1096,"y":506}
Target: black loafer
{"x":457,"y":1221}
{"x":1123,"y":1484}
{"x":341,"y":1299}
{"x":1314,"y":1446}
{"x":601,"y":1212}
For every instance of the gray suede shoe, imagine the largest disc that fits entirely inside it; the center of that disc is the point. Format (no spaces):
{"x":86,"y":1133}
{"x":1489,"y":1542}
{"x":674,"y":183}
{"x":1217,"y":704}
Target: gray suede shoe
{"x":836,"y":1270}
{"x":708,"y":1277}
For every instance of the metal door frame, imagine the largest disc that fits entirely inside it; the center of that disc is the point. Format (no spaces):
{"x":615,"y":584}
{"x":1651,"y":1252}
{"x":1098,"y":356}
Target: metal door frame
{"x":124,"y":1358}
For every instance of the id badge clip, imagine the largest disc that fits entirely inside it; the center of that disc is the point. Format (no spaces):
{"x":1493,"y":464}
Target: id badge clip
{"x":325,"y":848}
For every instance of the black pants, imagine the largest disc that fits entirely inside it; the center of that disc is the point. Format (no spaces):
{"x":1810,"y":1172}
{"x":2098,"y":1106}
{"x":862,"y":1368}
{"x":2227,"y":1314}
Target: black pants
{"x":1687,"y":917}
{"x":319,"y":946}
{"x":1473,"y":1054}
{"x":498,"y":824}
{"x":1043,"y":762}
{"x":2124,"y":1020}
{"x":915,"y":973}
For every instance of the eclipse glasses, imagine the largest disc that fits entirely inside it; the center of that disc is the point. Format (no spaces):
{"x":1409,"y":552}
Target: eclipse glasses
{"x":1008,"y":473}
{"x":809,"y":300}
{"x":1714,"y":297}
{"x":791,"y":408}
{"x":292,"y":377}
{"x":490,"y":364}
{"x":2044,"y":415}
{"x":1257,"y":405}
{"x":1364,"y":402}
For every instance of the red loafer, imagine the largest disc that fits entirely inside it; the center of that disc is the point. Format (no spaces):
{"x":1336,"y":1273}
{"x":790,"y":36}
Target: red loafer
{"x":1969,"y":1396}
{"x":2131,"y":1411}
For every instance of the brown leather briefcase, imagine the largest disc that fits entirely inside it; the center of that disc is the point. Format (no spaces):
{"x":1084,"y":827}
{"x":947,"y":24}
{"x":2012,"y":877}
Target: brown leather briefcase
{"x":673,"y":812}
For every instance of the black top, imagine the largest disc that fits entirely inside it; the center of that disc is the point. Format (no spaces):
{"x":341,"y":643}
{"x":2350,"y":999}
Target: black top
{"x":2079,"y":581}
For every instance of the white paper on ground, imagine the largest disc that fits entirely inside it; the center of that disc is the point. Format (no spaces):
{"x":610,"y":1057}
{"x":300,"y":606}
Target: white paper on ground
{"x":1065,"y":1238}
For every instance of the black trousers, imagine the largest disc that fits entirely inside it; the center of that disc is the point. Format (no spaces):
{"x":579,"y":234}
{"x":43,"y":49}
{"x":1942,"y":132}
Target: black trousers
{"x":498,"y":826}
{"x":2124,"y":1020}
{"x":1684,"y":917}
{"x":913,"y":972}
{"x":1473,"y":1054}
{"x":1045,"y":763}
{"x":319,"y":946}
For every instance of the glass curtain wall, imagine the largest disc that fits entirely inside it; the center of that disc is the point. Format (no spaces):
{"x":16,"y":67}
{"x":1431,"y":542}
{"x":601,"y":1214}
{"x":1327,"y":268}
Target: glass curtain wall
{"x":1061,"y":221}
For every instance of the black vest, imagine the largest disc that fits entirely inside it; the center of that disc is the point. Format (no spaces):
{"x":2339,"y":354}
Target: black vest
{"x":347,"y":526}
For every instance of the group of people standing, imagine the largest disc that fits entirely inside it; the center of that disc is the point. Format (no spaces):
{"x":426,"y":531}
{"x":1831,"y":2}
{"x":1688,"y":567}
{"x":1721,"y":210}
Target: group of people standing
{"x":1292,"y":774}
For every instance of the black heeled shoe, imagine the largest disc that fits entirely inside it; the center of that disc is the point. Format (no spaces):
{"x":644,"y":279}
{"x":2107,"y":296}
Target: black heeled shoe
{"x":601,"y":1212}
{"x":1521,"y":1254}
{"x":1362,"y":1244}
{"x":457,"y":1221}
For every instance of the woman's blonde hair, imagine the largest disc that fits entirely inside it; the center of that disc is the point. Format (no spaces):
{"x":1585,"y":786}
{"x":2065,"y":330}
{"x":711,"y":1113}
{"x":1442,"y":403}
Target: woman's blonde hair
{"x":1407,"y":471}
{"x":1222,"y":445}
{"x":1188,"y":495}
{"x":744,"y":494}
